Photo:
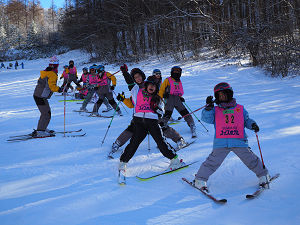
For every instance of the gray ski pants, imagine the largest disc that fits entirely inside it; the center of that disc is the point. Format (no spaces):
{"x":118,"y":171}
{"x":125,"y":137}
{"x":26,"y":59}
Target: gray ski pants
{"x":217,"y":156}
{"x":44,"y":108}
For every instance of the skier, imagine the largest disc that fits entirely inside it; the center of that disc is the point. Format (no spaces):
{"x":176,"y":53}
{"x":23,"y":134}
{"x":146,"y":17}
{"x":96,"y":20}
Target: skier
{"x":172,"y":90}
{"x":16,"y":65}
{"x":105,"y":90}
{"x":92,"y":85}
{"x":2,"y":65}
{"x":138,"y":77}
{"x":158,"y":78}
{"x":65,"y":76}
{"x":83,"y":91}
{"x":229,"y":119}
{"x":145,"y":102}
{"x":44,"y":89}
{"x":72,"y":76}
{"x":22,"y":64}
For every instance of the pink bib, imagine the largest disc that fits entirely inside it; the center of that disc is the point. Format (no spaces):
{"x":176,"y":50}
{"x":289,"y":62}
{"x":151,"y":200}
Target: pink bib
{"x":93,"y":79}
{"x":229,"y":122}
{"x":84,"y":77}
{"x":73,"y":70}
{"x":66,"y":75}
{"x":176,"y":87}
{"x":103,"y":80}
{"x":143,"y":102}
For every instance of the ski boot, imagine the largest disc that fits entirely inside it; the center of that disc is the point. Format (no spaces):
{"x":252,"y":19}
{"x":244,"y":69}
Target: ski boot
{"x":175,"y":163}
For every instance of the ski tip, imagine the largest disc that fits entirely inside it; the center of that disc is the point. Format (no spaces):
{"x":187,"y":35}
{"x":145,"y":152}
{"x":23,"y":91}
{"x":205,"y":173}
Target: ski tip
{"x":122,"y":184}
{"x":249,"y":196}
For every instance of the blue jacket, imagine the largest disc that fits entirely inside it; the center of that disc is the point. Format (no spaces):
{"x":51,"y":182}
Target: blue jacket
{"x":209,"y":117}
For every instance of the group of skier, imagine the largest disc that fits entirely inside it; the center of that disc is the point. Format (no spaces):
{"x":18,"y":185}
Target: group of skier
{"x":153,"y":102}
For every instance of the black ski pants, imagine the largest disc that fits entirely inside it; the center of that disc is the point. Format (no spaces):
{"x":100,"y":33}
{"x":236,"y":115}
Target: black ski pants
{"x":141,"y":128}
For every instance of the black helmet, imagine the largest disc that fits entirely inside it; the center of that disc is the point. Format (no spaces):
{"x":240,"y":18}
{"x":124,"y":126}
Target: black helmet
{"x":226,"y":88}
{"x":152,"y":80}
{"x":135,"y":71}
{"x":176,"y":72}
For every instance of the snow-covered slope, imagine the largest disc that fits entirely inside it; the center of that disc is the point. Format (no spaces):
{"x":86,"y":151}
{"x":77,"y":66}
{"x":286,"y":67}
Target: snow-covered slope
{"x":70,"y":181}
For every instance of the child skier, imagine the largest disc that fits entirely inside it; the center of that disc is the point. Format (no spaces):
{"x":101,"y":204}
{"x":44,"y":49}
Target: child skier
{"x":92,"y":85}
{"x":172,"y":90}
{"x":83,"y":91}
{"x":72,"y":76}
{"x":105,"y":90}
{"x":44,"y":89}
{"x":137,"y":76}
{"x":229,"y":119}
{"x":145,"y":102}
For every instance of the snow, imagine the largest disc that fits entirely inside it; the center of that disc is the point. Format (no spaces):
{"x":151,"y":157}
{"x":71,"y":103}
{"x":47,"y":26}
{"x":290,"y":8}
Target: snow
{"x":70,"y":181}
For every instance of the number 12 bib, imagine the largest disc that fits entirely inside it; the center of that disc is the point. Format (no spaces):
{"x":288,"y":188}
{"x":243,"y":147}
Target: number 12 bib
{"x":229,"y":122}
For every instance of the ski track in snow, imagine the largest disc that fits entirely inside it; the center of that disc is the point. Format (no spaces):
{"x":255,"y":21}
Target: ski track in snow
{"x":70,"y":180}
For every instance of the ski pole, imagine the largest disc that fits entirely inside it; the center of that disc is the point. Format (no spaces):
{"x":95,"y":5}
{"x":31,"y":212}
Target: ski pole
{"x":179,"y":118}
{"x":110,"y":122}
{"x":195,"y":116}
{"x":121,"y":102}
{"x":148,"y":143}
{"x":65,"y":100}
{"x":262,"y":160}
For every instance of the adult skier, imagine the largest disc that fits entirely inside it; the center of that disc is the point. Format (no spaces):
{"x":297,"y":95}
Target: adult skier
{"x":229,"y":119}
{"x":172,"y":90}
{"x":44,"y":89}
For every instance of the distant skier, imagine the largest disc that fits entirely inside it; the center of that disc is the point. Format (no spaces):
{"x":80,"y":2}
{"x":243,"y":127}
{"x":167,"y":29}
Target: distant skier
{"x":104,"y":90}
{"x":22,"y":64}
{"x":44,"y":89}
{"x":145,"y":102}
{"x":72,"y":76}
{"x":84,"y":79}
{"x":229,"y":119}
{"x":16,"y":65}
{"x":172,"y":90}
{"x":2,"y":65}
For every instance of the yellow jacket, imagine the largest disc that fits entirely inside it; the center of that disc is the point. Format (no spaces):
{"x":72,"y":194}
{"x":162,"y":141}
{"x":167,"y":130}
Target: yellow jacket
{"x":112,"y":77}
{"x":163,"y":87}
{"x":46,"y":84}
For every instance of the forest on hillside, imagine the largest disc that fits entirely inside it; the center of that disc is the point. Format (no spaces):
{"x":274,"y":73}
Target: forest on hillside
{"x":267,"y":31}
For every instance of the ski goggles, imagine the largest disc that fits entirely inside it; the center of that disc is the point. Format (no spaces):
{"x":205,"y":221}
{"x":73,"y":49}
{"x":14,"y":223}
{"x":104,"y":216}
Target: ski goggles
{"x":222,"y":86}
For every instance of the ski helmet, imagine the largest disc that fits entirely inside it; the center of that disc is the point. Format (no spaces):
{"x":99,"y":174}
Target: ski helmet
{"x":151,"y":80}
{"x":156,"y":72}
{"x":226,"y":88}
{"x":135,"y":71}
{"x":94,"y":66}
{"x":85,"y":69}
{"x":71,"y":62}
{"x":176,"y":72}
{"x":100,"y":68}
{"x":54,"y":60}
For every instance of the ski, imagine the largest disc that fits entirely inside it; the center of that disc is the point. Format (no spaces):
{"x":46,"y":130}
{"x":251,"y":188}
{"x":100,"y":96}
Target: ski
{"x":91,"y":115}
{"x":58,"y":132}
{"x":17,"y":139}
{"x":72,"y":100}
{"x":220,"y":201}
{"x":261,"y":188}
{"x":187,"y":144}
{"x":121,"y":178}
{"x":163,"y":173}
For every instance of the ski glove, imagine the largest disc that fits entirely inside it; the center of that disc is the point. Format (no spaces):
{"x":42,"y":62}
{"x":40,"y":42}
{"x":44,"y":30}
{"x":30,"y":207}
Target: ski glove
{"x":255,"y":127}
{"x":121,"y":97}
{"x":182,"y":99}
{"x":209,"y":103}
{"x":124,"y":68}
{"x":112,"y":87}
{"x":60,"y":89}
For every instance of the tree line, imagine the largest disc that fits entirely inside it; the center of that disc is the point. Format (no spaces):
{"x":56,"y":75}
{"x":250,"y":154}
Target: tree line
{"x":132,"y":30}
{"x":28,"y":29}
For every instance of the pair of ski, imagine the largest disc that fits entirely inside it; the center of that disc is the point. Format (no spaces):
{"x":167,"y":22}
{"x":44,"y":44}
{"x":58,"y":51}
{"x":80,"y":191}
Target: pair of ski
{"x":122,"y":177}
{"x":259,"y":190}
{"x":25,"y":137}
{"x":92,"y":115}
